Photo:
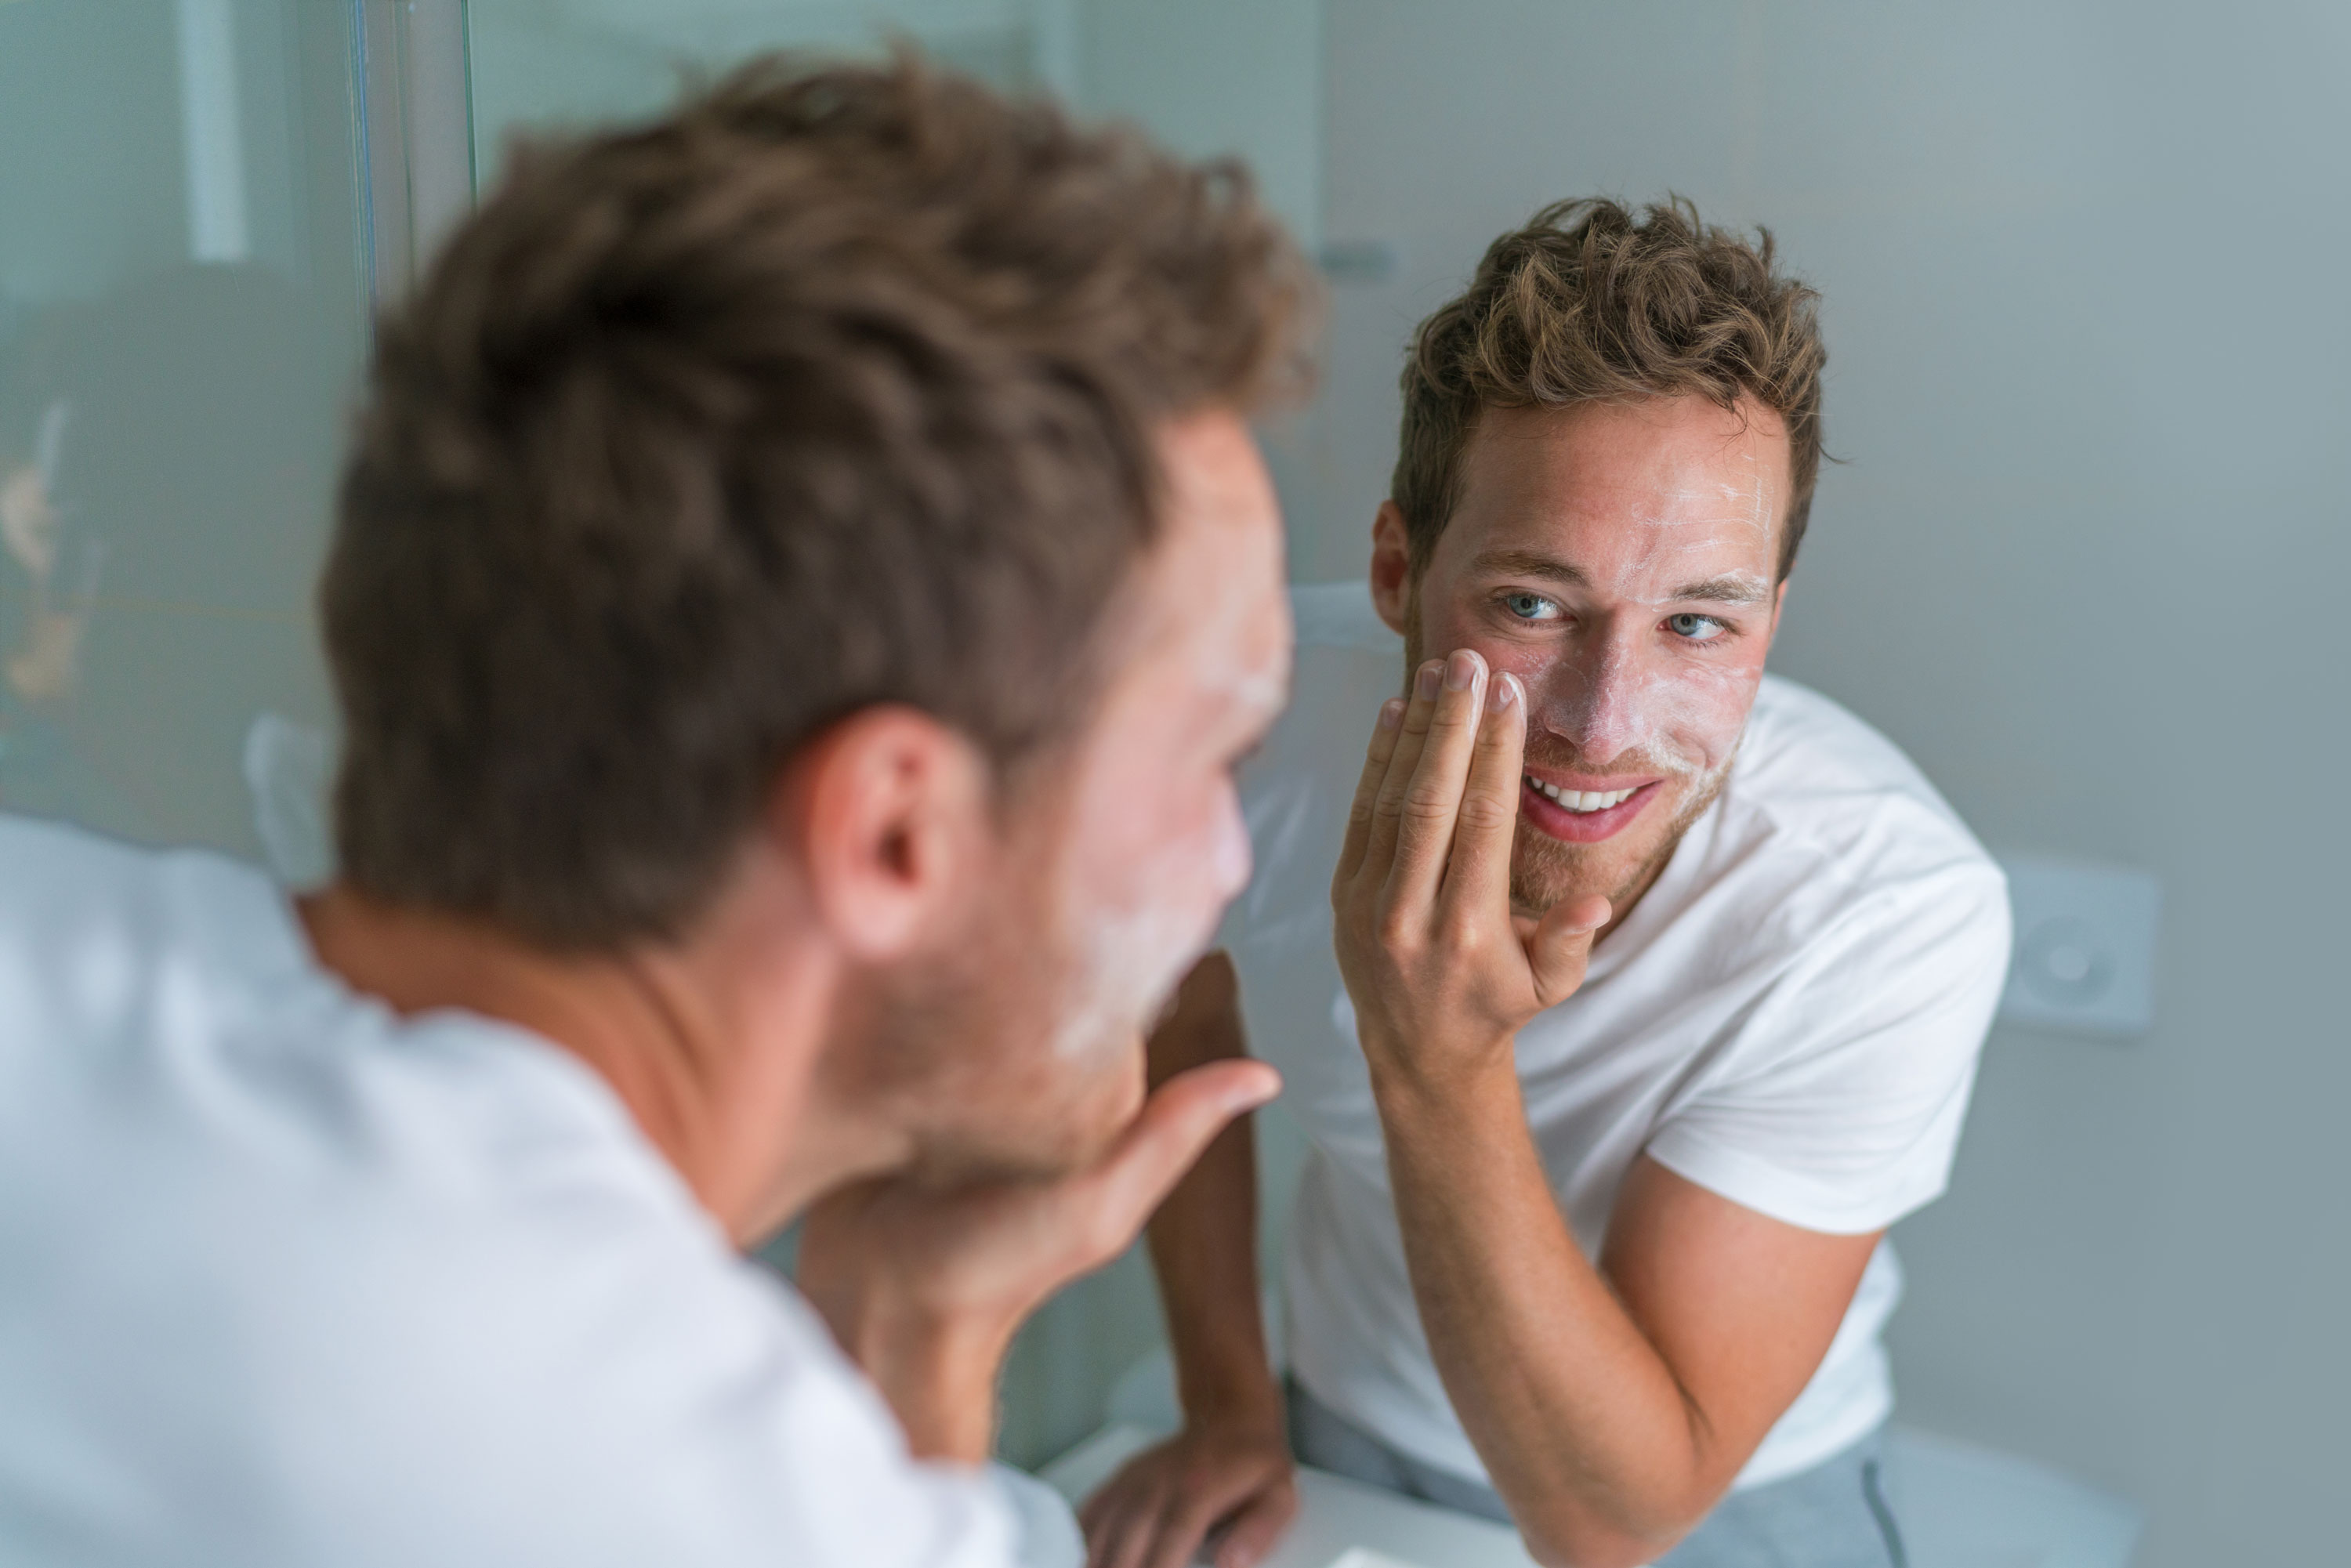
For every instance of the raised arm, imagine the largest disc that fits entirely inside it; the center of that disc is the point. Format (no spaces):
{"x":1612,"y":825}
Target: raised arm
{"x":1614,"y":1406}
{"x":1228,"y":1472}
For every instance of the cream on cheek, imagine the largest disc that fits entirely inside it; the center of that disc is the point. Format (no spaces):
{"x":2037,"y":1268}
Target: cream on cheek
{"x":1141,"y":901}
{"x":1628,"y":690}
{"x":1684,"y":718}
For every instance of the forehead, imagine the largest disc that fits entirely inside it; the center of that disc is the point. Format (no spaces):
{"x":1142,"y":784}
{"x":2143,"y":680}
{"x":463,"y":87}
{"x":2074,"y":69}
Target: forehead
{"x":1662,"y":483}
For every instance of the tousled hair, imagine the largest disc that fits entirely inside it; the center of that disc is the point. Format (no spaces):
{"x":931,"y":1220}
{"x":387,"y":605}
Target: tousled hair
{"x":1588,"y":303}
{"x":832,"y":388}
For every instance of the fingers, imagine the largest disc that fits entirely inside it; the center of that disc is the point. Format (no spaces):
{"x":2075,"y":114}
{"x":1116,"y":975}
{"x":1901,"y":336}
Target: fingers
{"x":1120,"y":1518}
{"x":1118,"y":1525}
{"x":1384,"y":733}
{"x":1389,"y":803}
{"x":1159,"y":1509}
{"x":1256,"y":1528}
{"x":1183,"y":1526}
{"x":1478,"y":872}
{"x":1182,"y":1117}
{"x":1428,"y":802}
{"x":1561,"y":946}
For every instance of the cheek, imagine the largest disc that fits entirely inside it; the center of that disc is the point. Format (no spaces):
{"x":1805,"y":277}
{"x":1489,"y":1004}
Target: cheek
{"x":1194,"y":865}
{"x":1158,"y":870}
{"x":1703,"y":709}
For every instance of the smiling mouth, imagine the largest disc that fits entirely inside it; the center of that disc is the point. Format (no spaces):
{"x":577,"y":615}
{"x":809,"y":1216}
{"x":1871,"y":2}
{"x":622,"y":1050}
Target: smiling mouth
{"x":1581,"y":802}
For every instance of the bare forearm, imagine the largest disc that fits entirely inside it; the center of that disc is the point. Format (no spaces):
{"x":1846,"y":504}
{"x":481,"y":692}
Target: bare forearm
{"x":1581,"y":1422}
{"x":939,"y":1379}
{"x":1204,"y":1250}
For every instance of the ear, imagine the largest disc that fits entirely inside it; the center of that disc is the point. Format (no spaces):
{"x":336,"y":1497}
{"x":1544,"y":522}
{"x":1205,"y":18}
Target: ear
{"x":1779,"y":603}
{"x":1392,"y":568}
{"x":889,"y":810}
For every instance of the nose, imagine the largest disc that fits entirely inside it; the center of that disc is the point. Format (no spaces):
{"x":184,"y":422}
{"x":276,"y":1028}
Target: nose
{"x":1593,"y":700}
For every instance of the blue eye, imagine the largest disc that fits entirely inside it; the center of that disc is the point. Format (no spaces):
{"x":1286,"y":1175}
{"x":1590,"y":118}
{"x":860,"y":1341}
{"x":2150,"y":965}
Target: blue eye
{"x":1530,"y":606}
{"x":1696,"y":628}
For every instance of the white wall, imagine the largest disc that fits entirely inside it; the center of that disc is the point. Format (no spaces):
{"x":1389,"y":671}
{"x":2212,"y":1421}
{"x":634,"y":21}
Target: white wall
{"x":2084,"y":271}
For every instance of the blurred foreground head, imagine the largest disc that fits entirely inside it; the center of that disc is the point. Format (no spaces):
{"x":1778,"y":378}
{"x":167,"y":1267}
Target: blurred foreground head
{"x":847,"y":473}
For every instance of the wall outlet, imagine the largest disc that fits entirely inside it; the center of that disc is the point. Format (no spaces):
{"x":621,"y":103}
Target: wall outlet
{"x":2084,"y":958}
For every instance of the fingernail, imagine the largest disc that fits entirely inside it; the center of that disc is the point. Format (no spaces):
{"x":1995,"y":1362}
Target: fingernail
{"x":1392,"y":713}
{"x":1424,"y":684}
{"x":1262,"y":1093}
{"x":1461,"y":669}
{"x":1500,"y":693}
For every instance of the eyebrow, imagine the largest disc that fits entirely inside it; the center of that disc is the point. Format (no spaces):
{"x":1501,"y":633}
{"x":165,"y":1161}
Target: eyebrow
{"x":1731,"y":588}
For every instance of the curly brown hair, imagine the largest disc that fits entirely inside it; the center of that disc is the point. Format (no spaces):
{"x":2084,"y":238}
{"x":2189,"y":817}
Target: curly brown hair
{"x":832,"y":388}
{"x":1586,"y":304}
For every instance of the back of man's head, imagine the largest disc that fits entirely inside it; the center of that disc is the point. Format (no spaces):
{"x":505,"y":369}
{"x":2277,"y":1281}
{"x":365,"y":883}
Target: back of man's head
{"x":828,"y":389}
{"x":1588,"y":303}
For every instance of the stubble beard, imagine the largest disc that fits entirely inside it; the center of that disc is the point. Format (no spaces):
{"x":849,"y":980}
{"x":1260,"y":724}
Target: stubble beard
{"x":976,"y":1051}
{"x":1546,"y":871}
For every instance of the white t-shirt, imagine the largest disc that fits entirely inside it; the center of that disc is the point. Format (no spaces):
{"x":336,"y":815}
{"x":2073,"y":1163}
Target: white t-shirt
{"x":289,"y":1283}
{"x":1789,"y":1017}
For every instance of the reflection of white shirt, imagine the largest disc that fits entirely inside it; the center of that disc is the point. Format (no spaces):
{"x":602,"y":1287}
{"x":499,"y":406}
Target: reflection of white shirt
{"x":285,"y":1281}
{"x":1789,"y":1017}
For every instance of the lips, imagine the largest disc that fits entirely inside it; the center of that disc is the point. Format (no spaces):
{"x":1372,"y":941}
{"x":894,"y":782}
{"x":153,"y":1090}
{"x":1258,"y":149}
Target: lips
{"x":1582,"y":816}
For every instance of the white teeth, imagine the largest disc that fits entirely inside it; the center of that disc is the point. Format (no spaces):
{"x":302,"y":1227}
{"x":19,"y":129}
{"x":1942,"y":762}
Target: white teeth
{"x":1581,"y":801}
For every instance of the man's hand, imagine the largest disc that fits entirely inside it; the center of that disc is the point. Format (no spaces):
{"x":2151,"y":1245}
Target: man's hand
{"x":924,"y":1287}
{"x":1442,"y":974}
{"x":1232,"y":1483}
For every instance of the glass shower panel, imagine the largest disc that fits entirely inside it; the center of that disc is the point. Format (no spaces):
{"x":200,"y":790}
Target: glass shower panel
{"x":181,"y":312}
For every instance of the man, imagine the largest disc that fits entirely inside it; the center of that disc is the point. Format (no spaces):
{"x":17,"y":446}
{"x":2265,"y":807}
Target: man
{"x":802,"y":583}
{"x":1657,"y":983}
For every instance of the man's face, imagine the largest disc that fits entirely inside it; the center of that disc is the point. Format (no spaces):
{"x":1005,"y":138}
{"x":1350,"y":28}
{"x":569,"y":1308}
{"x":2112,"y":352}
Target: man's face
{"x":1123,"y":849}
{"x":1622,"y":561}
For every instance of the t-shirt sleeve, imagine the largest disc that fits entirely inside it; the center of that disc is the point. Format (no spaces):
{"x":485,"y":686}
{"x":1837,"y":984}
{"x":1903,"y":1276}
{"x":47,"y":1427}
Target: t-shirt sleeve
{"x":1839,"y":1108}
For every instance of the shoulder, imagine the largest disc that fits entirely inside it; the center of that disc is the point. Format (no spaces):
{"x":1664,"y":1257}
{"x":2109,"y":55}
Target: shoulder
{"x":1821,"y":787}
{"x":423,"y":1279}
{"x":55,"y":877}
{"x":101,"y":942}
{"x":1828,"y":838}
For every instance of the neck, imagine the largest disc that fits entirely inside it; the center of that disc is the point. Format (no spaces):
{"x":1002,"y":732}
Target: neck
{"x":711,"y":1046}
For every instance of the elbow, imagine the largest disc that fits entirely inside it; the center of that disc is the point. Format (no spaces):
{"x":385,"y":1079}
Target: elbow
{"x":1551,"y":1553}
{"x":1615,"y":1552}
{"x":1586,"y":1542}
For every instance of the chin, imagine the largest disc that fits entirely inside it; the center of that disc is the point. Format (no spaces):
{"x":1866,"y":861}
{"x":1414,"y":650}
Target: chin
{"x":1096,"y":1119}
{"x":1546,"y":873}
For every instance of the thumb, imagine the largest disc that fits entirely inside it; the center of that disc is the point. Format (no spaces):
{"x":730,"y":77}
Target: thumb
{"x":1562,"y":945}
{"x":1179,"y":1121}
